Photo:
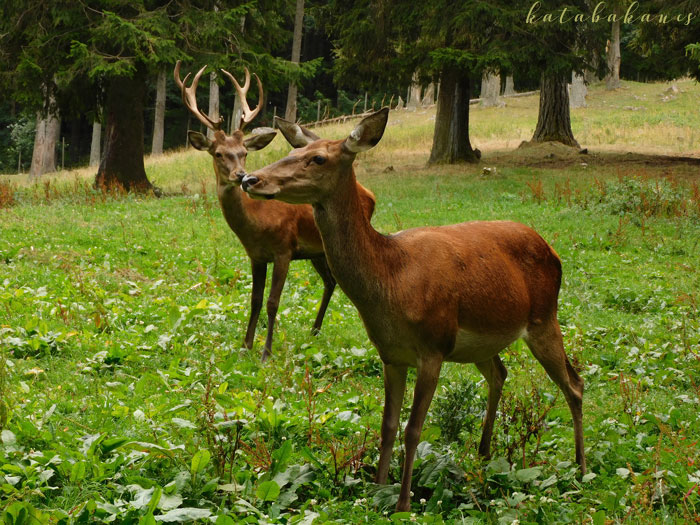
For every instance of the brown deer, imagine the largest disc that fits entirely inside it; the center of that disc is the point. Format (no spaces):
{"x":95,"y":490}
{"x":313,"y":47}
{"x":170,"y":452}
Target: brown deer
{"x":271,"y":232}
{"x":459,"y":293}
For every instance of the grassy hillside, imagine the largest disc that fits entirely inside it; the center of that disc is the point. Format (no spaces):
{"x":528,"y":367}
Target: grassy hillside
{"x":125,"y":395}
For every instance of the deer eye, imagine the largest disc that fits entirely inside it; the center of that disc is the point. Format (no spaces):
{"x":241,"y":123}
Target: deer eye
{"x":318,"y":159}
{"x":218,"y":155}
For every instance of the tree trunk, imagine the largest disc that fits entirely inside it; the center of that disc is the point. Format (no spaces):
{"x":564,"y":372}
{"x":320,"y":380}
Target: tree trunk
{"x":213,"y":103}
{"x":428,"y":95}
{"x":577,"y":95}
{"x":554,"y":120}
{"x":509,"y":88}
{"x":95,"y":144}
{"x":122,"y":162}
{"x":290,"y":113}
{"x":414,"y":91}
{"x":451,"y":136}
{"x":159,"y":119}
{"x":612,"y":81}
{"x":490,"y":88}
{"x":48,"y":129}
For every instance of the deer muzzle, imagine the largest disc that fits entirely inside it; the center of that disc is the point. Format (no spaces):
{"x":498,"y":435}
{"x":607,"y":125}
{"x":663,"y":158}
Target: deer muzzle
{"x":249,"y":184}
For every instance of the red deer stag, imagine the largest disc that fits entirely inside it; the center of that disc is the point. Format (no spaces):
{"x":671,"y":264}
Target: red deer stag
{"x":459,"y":293}
{"x":271,"y":232}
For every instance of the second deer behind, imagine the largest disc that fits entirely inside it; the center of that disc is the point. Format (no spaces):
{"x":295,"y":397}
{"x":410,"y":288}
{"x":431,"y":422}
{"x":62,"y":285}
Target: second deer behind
{"x":270,"y":231}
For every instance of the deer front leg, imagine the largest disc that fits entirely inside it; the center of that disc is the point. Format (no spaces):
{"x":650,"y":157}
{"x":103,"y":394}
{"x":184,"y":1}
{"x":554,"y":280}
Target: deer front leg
{"x":428,"y":374}
{"x":495,"y":374}
{"x":394,"y":389}
{"x":279,"y":276}
{"x":256,"y":299}
{"x":324,"y":271}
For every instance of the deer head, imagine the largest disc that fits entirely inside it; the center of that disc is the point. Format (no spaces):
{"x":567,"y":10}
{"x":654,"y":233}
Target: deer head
{"x":315,"y":168}
{"x":228,"y":151}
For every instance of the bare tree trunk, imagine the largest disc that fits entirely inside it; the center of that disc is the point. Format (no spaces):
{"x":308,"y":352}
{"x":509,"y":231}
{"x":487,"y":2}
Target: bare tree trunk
{"x":122,"y":162}
{"x":48,"y":128}
{"x":612,"y":81}
{"x":554,"y":120}
{"x":213,"y":102}
{"x":509,"y":88}
{"x":577,"y":94}
{"x":451,"y":137}
{"x":95,"y":144}
{"x":428,"y":95}
{"x":290,"y":113}
{"x":490,"y":88}
{"x":413,"y":98}
{"x":159,"y":119}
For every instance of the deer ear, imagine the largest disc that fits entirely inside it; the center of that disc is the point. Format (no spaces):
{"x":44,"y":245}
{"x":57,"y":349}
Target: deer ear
{"x":260,"y":138}
{"x":367,"y":133}
{"x":198,"y":140}
{"x":298,"y":136}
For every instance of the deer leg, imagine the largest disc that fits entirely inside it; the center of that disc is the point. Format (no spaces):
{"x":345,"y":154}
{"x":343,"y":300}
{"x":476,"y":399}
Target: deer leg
{"x":547,"y":346}
{"x":279,"y":276}
{"x":495,"y":374}
{"x":321,"y":266}
{"x":256,"y":299}
{"x":428,"y":374}
{"x":394,"y":389}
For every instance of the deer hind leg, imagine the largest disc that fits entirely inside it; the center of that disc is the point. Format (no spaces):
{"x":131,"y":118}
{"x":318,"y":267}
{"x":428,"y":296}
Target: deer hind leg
{"x":256,"y":299}
{"x":495,"y":374}
{"x":321,"y":266}
{"x":546,"y":343}
{"x":394,"y":389}
{"x":428,"y":374}
{"x":279,"y":276}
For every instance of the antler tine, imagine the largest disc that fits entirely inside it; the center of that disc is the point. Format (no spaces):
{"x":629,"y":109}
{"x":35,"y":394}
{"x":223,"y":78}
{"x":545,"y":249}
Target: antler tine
{"x":247,"y":115}
{"x":190,"y":100}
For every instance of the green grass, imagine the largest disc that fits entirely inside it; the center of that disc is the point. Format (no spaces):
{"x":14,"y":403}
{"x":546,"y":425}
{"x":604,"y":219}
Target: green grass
{"x":128,"y":394}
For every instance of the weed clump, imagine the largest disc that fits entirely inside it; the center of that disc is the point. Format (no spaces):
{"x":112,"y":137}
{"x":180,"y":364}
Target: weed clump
{"x":460,"y":409}
{"x":637,"y":196}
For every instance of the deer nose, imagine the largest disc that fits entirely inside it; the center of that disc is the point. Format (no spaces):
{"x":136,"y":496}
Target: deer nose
{"x":240,"y":175}
{"x":248,"y":181}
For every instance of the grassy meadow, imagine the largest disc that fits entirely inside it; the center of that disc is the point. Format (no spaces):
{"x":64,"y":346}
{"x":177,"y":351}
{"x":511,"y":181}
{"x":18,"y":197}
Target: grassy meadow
{"x":125,"y":395}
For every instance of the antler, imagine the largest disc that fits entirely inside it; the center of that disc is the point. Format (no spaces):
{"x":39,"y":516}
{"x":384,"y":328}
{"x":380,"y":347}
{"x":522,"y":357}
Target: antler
{"x":247,"y":115}
{"x":190,"y":100}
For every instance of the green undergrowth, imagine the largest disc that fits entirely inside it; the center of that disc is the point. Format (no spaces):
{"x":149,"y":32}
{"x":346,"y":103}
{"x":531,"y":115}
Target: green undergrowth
{"x":126,"y":395}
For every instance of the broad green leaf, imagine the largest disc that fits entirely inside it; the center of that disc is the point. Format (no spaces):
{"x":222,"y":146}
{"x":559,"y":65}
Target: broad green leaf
{"x":168,"y":502}
{"x":199,"y":461}
{"x":108,"y":445}
{"x":599,"y":518}
{"x":588,"y":477}
{"x":268,"y":491}
{"x":623,"y":472}
{"x":148,"y":519}
{"x":184,"y":514}
{"x":499,"y":466}
{"x":281,"y":456}
{"x":183,"y":423}
{"x":155,"y":500}
{"x":77,"y":472}
{"x":528,"y":474}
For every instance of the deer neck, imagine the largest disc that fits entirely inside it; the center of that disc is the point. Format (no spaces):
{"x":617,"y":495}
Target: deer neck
{"x":233,"y":205}
{"x":361,"y":259}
